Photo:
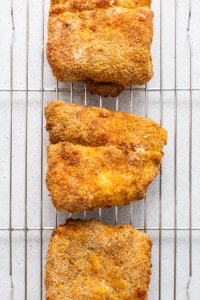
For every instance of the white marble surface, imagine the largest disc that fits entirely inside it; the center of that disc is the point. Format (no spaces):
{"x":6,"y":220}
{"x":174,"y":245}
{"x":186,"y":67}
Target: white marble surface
{"x":167,"y":99}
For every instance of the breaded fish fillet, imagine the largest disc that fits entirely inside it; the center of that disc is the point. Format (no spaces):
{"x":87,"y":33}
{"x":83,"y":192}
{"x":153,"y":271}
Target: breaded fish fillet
{"x":88,"y":260}
{"x":83,"y":178}
{"x":105,"y":43}
{"x":94,"y":126}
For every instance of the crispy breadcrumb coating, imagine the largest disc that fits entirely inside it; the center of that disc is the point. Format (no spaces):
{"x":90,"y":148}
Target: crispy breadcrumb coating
{"x":82,"y":178}
{"x":105,"y":43}
{"x":105,"y":158}
{"x":88,"y":260}
{"x":94,"y":126}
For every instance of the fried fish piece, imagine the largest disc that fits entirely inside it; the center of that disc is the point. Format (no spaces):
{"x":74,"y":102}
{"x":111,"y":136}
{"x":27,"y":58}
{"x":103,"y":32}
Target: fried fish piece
{"x":85,"y":178}
{"x":94,"y":126}
{"x":101,"y":158}
{"x":94,"y":261}
{"x":105,"y":43}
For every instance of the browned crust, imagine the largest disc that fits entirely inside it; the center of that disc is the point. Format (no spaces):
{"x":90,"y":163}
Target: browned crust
{"x":82,"y":178}
{"x":102,"y":41}
{"x":100,"y":157}
{"x":79,"y":5}
{"x":104,"y":89}
{"x":94,"y":126}
{"x":93,"y":261}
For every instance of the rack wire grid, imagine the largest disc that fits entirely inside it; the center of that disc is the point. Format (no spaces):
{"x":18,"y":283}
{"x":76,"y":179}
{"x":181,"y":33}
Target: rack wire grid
{"x":170,"y":214}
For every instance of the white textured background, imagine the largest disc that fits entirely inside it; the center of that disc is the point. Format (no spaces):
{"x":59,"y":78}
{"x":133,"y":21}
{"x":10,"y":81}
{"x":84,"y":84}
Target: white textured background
{"x":171,"y":212}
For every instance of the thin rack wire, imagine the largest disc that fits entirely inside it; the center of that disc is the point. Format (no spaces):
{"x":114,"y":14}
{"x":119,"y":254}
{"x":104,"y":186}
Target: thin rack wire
{"x":10,"y":162}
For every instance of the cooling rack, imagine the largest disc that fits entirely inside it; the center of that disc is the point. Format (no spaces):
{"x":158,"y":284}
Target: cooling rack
{"x":170,"y":214}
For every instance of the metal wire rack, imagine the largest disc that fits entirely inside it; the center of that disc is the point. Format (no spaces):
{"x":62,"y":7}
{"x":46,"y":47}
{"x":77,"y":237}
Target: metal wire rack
{"x":170,"y":214}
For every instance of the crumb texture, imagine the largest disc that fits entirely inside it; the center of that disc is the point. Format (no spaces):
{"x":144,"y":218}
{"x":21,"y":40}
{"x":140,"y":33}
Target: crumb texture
{"x":81,"y":177}
{"x":94,"y":126}
{"x":105,"y":43}
{"x":100,"y":158}
{"x":94,"y":261}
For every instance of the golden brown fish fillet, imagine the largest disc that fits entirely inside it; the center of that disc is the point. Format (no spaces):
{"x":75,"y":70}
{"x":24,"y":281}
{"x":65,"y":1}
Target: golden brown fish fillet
{"x":94,"y":126}
{"x":82,"y":178}
{"x":105,"y":43}
{"x":88,"y":260}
